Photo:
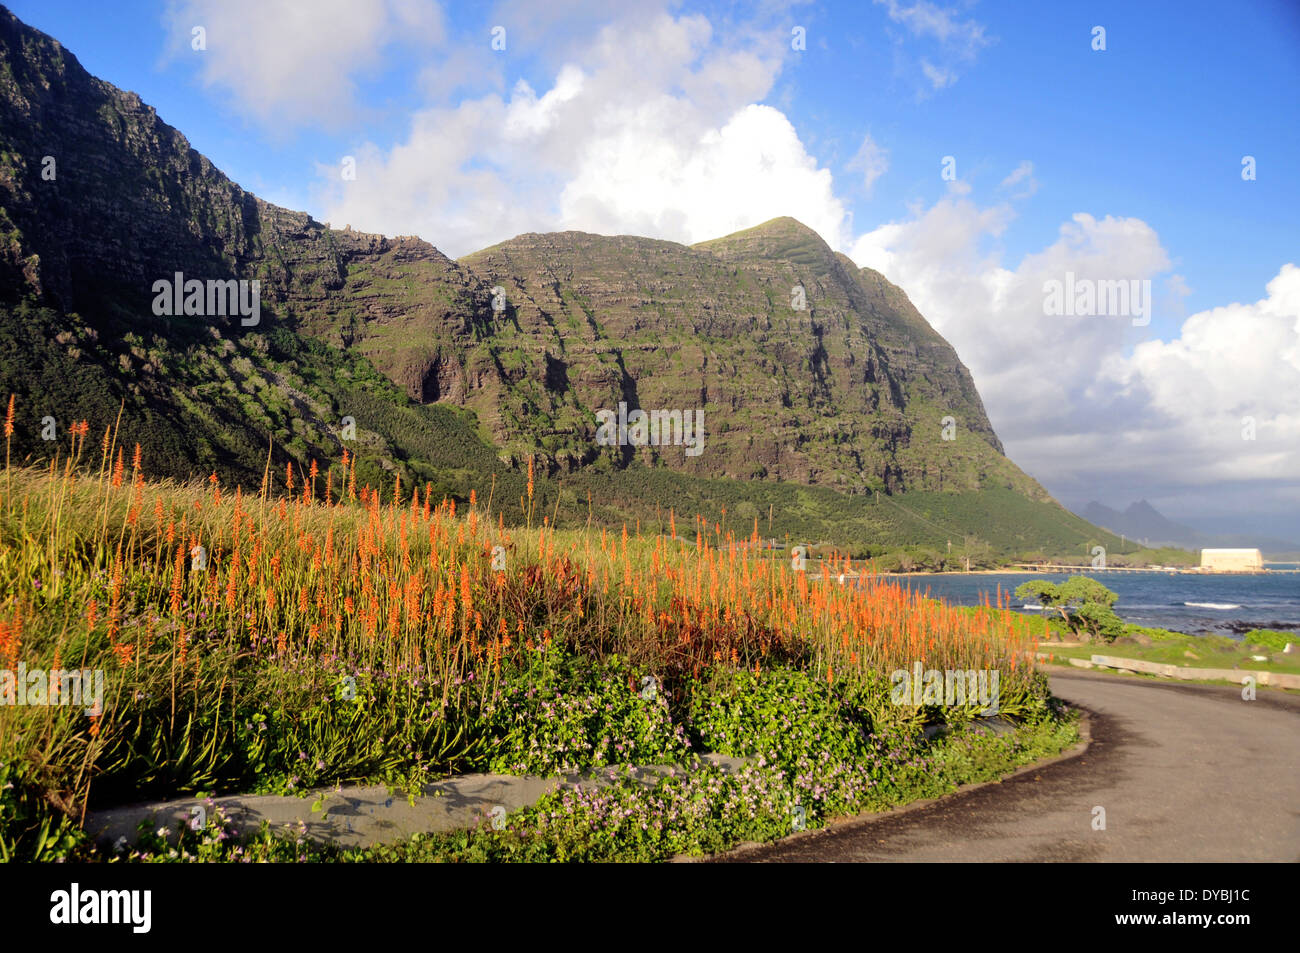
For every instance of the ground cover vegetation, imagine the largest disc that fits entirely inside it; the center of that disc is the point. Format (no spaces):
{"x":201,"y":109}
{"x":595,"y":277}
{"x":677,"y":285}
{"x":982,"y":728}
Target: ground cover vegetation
{"x":319,"y":630}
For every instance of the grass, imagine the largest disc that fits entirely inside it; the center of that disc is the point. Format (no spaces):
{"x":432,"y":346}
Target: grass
{"x":313,"y":632}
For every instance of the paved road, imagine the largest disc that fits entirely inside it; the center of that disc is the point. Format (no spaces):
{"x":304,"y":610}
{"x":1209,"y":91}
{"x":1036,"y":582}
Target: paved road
{"x":1185,"y":773}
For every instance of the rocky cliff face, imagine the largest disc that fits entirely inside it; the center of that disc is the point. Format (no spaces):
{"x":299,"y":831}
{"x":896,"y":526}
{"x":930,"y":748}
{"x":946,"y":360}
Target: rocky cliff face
{"x":807,"y":368}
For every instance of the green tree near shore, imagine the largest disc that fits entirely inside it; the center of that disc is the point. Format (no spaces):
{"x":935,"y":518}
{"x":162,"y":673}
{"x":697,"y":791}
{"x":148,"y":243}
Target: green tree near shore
{"x":1085,"y":605}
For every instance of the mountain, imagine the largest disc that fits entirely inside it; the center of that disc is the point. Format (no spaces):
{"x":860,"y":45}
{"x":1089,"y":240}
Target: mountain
{"x":848,"y":391}
{"x":1141,"y":522}
{"x":846,"y":416}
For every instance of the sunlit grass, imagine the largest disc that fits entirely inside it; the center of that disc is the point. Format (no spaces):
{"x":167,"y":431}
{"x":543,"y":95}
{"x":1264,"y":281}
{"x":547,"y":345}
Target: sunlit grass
{"x":195,"y":598}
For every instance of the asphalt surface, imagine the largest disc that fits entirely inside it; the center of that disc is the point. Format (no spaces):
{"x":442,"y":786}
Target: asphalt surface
{"x":1184,"y":772}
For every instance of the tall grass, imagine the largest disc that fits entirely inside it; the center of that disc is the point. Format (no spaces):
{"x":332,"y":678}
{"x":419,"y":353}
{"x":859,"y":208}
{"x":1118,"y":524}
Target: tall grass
{"x":204,"y":602}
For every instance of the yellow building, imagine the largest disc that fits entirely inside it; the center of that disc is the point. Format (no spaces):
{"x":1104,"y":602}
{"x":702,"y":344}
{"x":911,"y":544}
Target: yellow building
{"x":1232,"y":560}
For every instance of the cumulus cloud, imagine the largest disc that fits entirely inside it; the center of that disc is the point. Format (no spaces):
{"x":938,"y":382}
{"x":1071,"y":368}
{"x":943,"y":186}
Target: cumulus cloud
{"x":1091,"y":405}
{"x":995,"y":316}
{"x":751,"y":169}
{"x":287,"y":62}
{"x":655,"y":129}
{"x":1228,"y":382}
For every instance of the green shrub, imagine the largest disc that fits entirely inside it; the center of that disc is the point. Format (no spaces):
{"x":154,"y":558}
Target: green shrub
{"x":1082,"y":602}
{"x":566,"y":717}
{"x":1271,"y":638}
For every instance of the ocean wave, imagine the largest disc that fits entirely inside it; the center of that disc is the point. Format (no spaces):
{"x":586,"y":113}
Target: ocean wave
{"x":1213,"y":605}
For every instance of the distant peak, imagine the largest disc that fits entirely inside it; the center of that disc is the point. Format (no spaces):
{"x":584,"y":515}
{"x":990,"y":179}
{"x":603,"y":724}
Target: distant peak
{"x":780,"y":238}
{"x":782,"y":226}
{"x":783,"y":223}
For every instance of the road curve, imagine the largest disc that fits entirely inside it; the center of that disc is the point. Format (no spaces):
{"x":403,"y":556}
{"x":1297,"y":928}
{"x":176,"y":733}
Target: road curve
{"x":1184,"y":772}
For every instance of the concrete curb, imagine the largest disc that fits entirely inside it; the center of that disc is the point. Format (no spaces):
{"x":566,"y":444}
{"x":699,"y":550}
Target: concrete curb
{"x":1237,"y":676}
{"x":363,"y":816}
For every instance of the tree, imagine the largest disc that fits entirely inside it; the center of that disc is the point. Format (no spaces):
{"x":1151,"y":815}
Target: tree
{"x":1047,"y":594}
{"x":927,"y":560}
{"x":1083,"y":590}
{"x":1099,"y":621}
{"x":978,"y":551}
{"x":1083,"y":602}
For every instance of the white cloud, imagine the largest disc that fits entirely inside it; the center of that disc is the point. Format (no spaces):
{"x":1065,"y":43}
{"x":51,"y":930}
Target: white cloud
{"x":1088,"y":404}
{"x":871,"y":160}
{"x":1177,"y":285}
{"x":1022,"y":173}
{"x":464,"y":69}
{"x":939,"y":78}
{"x":928,"y":19}
{"x":655,"y":130}
{"x":1034,"y":372}
{"x":955,"y":40}
{"x":288,"y":62}
{"x":752,"y":169}
{"x":1229,"y":365}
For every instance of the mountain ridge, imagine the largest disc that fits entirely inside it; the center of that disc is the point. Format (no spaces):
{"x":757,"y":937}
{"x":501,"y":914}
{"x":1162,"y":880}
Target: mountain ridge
{"x":1142,"y":521}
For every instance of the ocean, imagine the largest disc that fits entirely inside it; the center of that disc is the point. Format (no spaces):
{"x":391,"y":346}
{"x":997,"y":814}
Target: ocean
{"x":1217,"y":604}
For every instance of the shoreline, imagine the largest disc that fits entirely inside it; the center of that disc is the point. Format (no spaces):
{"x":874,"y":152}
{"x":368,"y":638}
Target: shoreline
{"x":1074,"y":569}
{"x":1195,"y":624}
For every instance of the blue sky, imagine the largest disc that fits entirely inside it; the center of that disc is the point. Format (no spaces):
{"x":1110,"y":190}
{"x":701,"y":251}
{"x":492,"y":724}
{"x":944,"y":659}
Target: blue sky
{"x":1181,"y":93}
{"x":1145,"y":140}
